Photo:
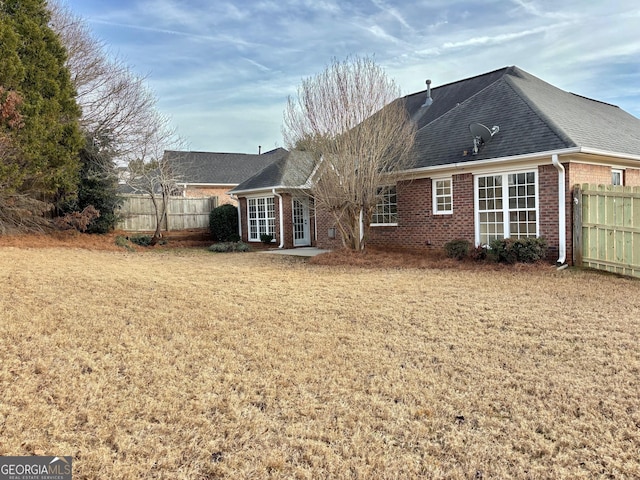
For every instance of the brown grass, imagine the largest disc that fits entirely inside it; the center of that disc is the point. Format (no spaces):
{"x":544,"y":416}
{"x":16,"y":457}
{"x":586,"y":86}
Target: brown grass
{"x":186,"y":364}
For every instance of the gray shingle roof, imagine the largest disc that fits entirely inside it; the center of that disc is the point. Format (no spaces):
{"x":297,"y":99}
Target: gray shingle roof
{"x":533,"y":116}
{"x":220,"y":168}
{"x":292,"y":170}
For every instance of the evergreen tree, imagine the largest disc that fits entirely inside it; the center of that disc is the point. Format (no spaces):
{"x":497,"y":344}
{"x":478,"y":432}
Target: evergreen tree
{"x":98,"y":185}
{"x":32,"y":64}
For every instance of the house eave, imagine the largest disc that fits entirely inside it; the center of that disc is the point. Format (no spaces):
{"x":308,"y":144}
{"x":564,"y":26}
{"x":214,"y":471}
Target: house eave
{"x":256,"y":191}
{"x":538,"y":157}
{"x":208,"y":185}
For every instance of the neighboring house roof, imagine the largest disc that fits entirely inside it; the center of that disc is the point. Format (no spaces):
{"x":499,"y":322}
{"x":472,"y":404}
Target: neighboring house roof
{"x":291,"y":171}
{"x":208,"y":168}
{"x":533,"y":116}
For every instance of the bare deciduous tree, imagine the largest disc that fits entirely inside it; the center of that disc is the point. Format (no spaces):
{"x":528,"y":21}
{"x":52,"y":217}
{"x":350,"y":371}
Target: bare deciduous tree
{"x":119,"y":111}
{"x":351,"y":119}
{"x":152,"y":174}
{"x":115,"y":103}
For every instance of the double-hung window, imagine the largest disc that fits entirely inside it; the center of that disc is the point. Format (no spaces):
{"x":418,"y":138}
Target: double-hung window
{"x":261,"y":214}
{"x":442,"y":196}
{"x":507,"y":206}
{"x":386,"y":211}
{"x":617,"y":177}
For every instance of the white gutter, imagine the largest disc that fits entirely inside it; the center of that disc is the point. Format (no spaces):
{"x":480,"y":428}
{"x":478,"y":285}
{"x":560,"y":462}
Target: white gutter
{"x":281,"y":217}
{"x":489,"y":161}
{"x":517,"y":158}
{"x":562,"y":217}
{"x":259,"y":190}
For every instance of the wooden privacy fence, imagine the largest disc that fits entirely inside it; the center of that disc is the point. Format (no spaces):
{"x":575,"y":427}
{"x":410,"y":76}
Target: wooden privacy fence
{"x":183,"y":213}
{"x":606,"y":226}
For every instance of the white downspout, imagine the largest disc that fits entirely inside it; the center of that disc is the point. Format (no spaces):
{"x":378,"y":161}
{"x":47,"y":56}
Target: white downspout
{"x":273,"y":190}
{"x":562,"y":217}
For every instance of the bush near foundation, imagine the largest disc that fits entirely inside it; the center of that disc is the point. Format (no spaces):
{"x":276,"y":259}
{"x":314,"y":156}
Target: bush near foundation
{"x":225,"y":247}
{"x":521,"y":250}
{"x":458,"y":249}
{"x":223,"y":223}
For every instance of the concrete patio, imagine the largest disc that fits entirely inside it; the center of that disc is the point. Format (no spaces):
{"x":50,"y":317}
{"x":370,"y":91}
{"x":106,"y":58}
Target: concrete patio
{"x":298,"y":252}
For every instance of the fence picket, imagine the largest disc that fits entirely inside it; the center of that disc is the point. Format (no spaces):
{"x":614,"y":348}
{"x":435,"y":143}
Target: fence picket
{"x":183,"y":213}
{"x":607,"y":234}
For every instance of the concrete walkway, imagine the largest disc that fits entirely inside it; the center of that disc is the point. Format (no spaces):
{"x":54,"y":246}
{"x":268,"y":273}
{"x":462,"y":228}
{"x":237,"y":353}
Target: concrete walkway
{"x":299,"y":252}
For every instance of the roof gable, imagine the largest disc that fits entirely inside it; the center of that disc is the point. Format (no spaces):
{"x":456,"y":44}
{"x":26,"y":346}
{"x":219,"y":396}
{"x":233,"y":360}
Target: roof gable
{"x":292,"y":170}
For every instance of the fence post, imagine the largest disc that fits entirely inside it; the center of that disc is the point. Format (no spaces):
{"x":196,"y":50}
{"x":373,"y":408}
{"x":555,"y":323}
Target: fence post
{"x":577,"y":226}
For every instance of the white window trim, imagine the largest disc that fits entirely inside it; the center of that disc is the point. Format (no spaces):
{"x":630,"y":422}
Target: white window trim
{"x":391,"y":224}
{"x":257,"y":197}
{"x":434,"y":196}
{"x":505,"y":201}
{"x":619,"y":171}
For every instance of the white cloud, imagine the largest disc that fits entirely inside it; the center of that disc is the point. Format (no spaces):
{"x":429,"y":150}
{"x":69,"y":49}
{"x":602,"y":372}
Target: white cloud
{"x":239,"y":60}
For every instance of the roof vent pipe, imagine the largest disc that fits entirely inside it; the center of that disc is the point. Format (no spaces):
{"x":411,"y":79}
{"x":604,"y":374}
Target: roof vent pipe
{"x":428,"y":101}
{"x":259,"y":149}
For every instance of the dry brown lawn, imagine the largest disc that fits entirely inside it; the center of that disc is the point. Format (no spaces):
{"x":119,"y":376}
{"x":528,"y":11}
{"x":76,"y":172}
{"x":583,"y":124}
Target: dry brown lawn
{"x":187,"y":364}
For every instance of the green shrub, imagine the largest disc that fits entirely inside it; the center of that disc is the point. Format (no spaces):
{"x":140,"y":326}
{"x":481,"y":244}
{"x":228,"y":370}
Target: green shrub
{"x":478,"y":253}
{"x":224,"y":247}
{"x":457,"y":249}
{"x":142,"y":240}
{"x":121,"y":241}
{"x":223,"y":223}
{"x":523,"y":250}
{"x":266,"y":238}
{"x":242,"y":247}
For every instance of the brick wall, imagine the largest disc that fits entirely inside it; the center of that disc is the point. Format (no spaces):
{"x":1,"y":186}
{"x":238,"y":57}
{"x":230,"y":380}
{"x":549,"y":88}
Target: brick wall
{"x":632,"y":177}
{"x":287,"y":219}
{"x":223,"y":198}
{"x":418,"y":227}
{"x":548,"y":210}
{"x":324,"y":222}
{"x":243,"y":219}
{"x":585,"y":173}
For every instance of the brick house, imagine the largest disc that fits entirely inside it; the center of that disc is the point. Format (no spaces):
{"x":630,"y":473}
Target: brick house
{"x":209,"y":174}
{"x":512,"y":178}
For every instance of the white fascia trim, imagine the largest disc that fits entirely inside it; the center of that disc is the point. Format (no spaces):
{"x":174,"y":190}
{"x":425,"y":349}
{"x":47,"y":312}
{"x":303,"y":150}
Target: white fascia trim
{"x":606,"y":153}
{"x":209,"y":184}
{"x":266,"y":190}
{"x":542,"y":157}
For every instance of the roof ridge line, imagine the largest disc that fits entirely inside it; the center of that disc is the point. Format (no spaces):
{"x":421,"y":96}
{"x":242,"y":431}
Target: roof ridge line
{"x":466,"y":100}
{"x":553,"y":126}
{"x":433,"y":89}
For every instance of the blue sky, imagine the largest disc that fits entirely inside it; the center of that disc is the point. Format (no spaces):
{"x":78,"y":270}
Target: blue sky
{"x":222,"y":70}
